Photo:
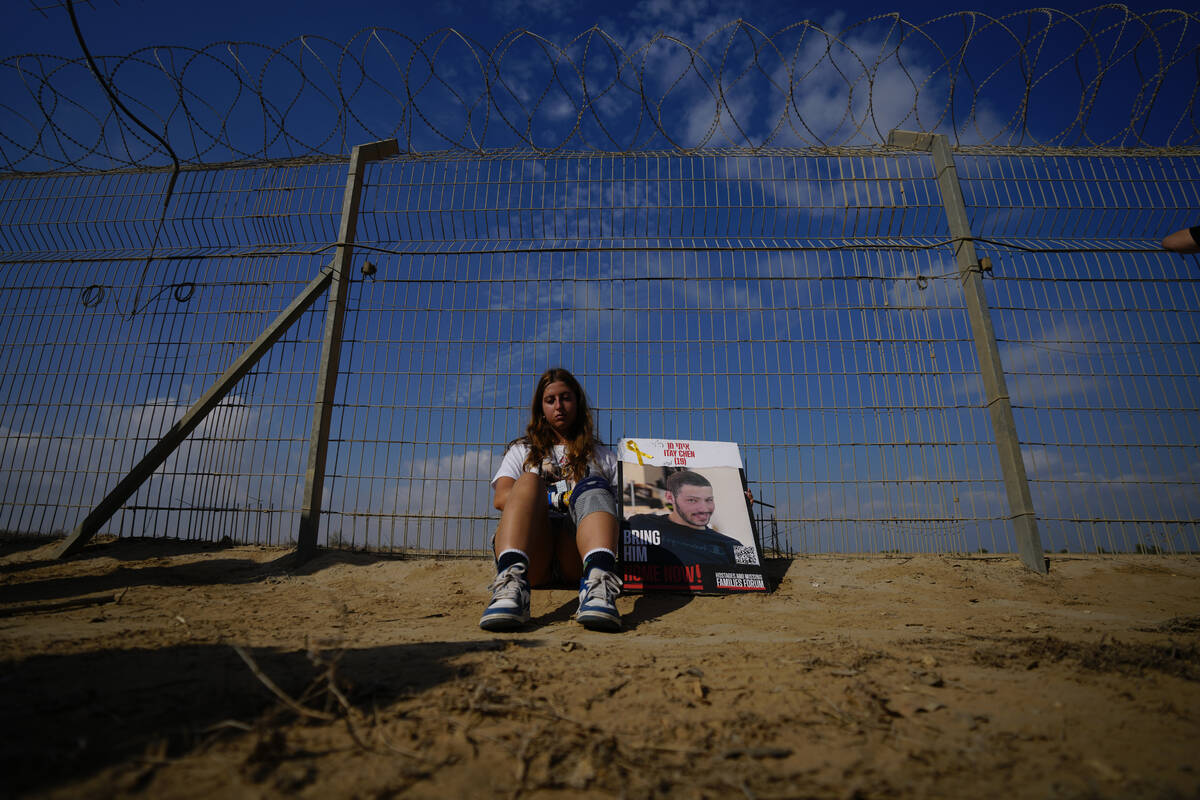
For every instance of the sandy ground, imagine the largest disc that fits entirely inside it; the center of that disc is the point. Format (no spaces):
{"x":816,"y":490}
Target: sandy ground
{"x":145,"y":668}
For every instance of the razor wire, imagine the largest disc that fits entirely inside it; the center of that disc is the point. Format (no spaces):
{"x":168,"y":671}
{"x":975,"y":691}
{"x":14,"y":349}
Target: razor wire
{"x":1104,"y":77}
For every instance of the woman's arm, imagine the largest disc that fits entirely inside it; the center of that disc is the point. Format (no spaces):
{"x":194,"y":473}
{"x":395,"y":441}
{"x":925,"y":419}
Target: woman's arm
{"x":502,"y":488}
{"x":1183,"y":241}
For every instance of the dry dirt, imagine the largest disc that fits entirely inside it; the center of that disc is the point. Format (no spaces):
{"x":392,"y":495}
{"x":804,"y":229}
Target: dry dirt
{"x":144,"y":668}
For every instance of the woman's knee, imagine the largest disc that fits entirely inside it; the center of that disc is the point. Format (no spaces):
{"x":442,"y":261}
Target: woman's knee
{"x":592,"y":494}
{"x":530,"y":483}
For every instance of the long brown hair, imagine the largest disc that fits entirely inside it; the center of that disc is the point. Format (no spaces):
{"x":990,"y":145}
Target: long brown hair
{"x":581,"y":439}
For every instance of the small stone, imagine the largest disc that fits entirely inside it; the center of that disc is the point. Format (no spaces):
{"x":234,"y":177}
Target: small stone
{"x":583,"y":774}
{"x":932,"y":679}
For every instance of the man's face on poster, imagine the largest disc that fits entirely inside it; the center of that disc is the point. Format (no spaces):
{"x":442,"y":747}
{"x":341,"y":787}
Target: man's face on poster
{"x":694,"y":506}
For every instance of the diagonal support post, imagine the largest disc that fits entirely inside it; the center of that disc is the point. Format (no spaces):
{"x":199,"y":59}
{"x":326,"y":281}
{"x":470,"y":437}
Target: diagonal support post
{"x":159,"y":453}
{"x":1004,"y":426}
{"x":331,"y":347}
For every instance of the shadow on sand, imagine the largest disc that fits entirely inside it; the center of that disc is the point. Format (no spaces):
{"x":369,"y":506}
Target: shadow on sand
{"x":67,"y":717}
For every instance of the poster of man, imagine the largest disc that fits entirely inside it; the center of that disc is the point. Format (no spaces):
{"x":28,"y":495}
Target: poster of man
{"x":686,"y":523}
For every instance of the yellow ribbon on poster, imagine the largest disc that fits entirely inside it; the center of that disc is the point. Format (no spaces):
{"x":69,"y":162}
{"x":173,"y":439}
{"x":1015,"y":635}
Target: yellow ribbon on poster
{"x":632,"y":446}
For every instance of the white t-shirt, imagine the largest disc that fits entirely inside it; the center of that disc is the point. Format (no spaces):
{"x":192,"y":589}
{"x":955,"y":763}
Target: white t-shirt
{"x":604,"y":462}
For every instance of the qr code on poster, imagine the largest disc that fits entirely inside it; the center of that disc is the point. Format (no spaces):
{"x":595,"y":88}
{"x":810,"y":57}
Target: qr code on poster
{"x":745,"y":554}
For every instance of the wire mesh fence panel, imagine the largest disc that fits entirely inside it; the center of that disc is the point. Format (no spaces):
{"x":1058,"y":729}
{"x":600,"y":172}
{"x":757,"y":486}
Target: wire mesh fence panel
{"x":803,"y":304}
{"x":117,"y":315}
{"x":1100,"y":336}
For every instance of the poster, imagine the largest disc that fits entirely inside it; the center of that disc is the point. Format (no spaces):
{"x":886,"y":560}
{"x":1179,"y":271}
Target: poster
{"x":685,"y":521}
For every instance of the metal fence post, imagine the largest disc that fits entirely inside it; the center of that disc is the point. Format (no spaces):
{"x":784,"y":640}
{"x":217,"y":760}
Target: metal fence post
{"x":331,"y":348}
{"x":1004,"y":427}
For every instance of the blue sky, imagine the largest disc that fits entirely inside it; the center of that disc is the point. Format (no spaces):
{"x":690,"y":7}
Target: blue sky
{"x":113,"y":28}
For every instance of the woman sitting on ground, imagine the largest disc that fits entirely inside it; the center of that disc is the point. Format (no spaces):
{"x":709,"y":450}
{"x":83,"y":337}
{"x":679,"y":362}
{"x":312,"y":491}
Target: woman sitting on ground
{"x":558,"y":512}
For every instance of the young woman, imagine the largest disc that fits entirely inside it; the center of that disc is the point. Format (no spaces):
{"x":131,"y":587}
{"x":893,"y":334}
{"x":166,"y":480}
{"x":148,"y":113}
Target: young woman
{"x":558,"y":512}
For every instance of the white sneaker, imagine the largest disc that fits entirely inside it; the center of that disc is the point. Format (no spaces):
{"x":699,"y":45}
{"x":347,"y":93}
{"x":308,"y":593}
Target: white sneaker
{"x":508,"y":609}
{"x":598,"y":593}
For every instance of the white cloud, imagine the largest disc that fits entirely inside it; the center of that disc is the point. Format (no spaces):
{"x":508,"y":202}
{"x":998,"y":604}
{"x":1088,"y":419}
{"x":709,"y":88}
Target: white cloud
{"x":50,"y":474}
{"x":1034,"y":369}
{"x":443,"y":483}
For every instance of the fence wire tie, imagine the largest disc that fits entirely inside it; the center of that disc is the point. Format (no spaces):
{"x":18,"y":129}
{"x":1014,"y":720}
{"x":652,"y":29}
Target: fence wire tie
{"x":92,"y":295}
{"x":983,"y":267}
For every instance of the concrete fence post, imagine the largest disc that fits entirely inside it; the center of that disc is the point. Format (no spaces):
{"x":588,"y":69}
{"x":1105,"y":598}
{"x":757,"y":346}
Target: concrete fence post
{"x":331,"y":347}
{"x":1004,"y":427}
